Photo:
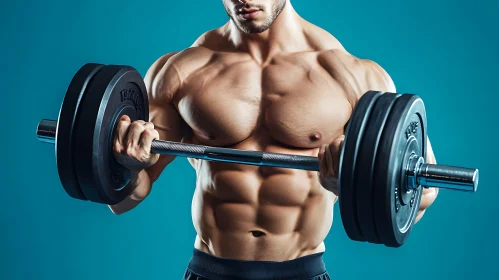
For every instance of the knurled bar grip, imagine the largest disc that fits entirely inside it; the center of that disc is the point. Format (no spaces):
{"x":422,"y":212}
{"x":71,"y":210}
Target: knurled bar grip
{"x":235,"y":156}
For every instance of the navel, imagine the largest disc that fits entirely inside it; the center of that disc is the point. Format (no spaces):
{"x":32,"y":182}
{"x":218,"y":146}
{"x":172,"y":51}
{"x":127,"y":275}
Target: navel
{"x":315,"y":136}
{"x":257,"y":233}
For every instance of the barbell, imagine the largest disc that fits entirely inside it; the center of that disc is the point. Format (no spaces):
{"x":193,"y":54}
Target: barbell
{"x":382,"y":162}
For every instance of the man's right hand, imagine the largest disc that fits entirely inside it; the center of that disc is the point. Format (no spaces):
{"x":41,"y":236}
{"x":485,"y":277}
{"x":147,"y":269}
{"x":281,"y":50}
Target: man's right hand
{"x":132,"y":144}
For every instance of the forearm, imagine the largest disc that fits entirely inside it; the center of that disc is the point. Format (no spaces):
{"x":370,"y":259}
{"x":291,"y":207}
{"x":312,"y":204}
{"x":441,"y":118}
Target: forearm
{"x":141,"y":183}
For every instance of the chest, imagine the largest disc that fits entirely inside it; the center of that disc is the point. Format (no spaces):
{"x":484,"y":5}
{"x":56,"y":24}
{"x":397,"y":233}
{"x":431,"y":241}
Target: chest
{"x":295,"y":103}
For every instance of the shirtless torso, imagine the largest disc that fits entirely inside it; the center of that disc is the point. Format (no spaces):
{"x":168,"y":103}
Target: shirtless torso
{"x":292,"y":104}
{"x":287,"y":97}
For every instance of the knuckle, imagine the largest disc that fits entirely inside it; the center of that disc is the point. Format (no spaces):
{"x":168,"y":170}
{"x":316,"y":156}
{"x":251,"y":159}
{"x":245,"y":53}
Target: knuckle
{"x":151,"y":133}
{"x":136,"y":125}
{"x":148,"y":133}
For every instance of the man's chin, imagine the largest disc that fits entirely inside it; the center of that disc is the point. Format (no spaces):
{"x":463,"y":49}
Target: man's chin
{"x":252,"y":29}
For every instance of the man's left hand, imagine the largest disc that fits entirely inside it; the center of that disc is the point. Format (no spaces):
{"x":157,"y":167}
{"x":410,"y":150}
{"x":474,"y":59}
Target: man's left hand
{"x":329,"y":156}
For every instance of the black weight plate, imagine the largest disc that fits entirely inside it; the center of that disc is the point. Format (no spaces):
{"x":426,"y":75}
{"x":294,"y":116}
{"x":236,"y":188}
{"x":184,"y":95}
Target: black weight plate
{"x":65,"y":128}
{"x":348,"y":155}
{"x":365,"y":165}
{"x":395,"y":208}
{"x":114,"y":91}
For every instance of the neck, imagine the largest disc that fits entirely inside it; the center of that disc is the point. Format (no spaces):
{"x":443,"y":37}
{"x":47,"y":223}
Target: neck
{"x":284,"y":35}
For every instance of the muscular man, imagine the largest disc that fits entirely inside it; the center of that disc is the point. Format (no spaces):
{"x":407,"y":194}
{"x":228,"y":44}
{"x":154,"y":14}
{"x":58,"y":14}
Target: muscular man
{"x":270,"y":81}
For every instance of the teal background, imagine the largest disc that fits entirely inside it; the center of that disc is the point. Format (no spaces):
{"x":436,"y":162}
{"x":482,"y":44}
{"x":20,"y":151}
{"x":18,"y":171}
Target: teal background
{"x":445,"y":51}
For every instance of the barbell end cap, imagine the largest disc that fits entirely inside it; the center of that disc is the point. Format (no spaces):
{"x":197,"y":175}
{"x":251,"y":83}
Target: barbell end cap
{"x":476,"y":176}
{"x":46,"y":131}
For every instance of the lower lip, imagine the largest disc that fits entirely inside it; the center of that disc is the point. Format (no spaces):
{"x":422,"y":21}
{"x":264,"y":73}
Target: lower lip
{"x":251,"y":15}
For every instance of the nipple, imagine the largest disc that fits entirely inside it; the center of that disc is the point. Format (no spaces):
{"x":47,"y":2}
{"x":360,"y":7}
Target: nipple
{"x":315,"y":136}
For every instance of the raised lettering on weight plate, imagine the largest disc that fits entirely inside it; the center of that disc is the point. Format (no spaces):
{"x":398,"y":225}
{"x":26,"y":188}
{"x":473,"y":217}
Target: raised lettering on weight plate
{"x":411,"y":129}
{"x":132,"y":95}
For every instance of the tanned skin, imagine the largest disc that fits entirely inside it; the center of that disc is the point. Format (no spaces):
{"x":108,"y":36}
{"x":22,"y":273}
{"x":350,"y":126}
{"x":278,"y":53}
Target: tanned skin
{"x":269,"y":81}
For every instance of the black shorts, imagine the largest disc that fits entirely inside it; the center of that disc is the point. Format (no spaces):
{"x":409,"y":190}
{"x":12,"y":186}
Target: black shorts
{"x":204,"y":266}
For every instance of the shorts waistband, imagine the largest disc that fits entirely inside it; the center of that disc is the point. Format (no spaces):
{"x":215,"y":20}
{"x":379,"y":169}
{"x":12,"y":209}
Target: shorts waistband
{"x":213,"y":267}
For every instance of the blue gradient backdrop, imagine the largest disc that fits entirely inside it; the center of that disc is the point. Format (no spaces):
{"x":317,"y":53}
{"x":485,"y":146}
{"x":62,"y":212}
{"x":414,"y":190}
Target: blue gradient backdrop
{"x":446,"y":51}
